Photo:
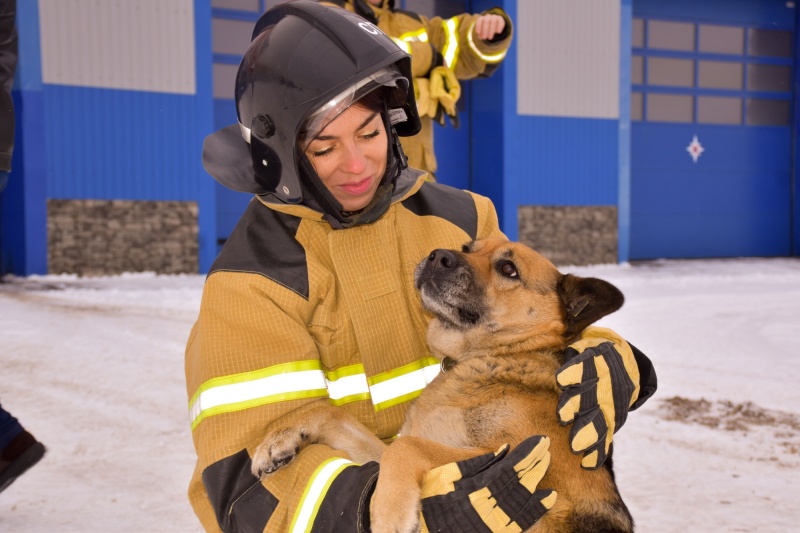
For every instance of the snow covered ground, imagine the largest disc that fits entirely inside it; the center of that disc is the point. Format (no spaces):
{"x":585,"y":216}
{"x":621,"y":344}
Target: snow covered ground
{"x":93,"y":367}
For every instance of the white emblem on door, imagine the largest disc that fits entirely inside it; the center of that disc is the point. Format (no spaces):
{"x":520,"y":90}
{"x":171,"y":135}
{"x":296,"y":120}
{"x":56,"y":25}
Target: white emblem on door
{"x":695,"y":149}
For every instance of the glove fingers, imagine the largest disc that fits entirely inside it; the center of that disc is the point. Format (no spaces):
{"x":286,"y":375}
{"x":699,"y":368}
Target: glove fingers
{"x":442,"y":479}
{"x":595,"y":456}
{"x":589,"y":429}
{"x":504,"y":468}
{"x":619,"y":389}
{"x":501,"y":496}
{"x":571,"y":373}
{"x":575,"y":398}
{"x":510,"y":501}
{"x":540,"y":502}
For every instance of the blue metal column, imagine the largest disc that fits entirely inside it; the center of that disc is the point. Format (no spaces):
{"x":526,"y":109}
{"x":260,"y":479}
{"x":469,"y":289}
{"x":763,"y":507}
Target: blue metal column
{"x":795,"y":190}
{"x":23,"y":205}
{"x":624,"y":148}
{"x":206,"y":191}
{"x":492,"y":102}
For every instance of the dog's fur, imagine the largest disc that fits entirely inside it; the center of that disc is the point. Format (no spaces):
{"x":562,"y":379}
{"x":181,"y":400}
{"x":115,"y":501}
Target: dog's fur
{"x":504,"y":315}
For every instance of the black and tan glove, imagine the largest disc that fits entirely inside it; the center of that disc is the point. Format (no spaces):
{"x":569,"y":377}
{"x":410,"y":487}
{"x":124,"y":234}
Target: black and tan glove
{"x":491,"y":493}
{"x":600,"y":382}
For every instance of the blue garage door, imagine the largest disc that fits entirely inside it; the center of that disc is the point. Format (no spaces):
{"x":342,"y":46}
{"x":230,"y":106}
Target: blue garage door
{"x":712,"y":129}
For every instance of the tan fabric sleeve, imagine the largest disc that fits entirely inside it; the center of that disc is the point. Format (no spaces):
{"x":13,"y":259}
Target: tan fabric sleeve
{"x":247,"y":325}
{"x":474,"y":54}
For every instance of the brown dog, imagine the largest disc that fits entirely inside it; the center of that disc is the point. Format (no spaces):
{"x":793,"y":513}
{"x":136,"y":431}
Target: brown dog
{"x":503,"y":316}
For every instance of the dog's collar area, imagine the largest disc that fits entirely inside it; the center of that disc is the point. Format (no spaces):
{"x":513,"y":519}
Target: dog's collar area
{"x":448,"y":363}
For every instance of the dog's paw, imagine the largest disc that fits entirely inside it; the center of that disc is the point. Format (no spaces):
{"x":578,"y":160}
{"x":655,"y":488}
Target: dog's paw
{"x":277,"y":449}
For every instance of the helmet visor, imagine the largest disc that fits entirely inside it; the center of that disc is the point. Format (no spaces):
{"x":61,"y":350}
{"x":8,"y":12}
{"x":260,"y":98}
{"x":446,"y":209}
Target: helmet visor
{"x":389,"y":76}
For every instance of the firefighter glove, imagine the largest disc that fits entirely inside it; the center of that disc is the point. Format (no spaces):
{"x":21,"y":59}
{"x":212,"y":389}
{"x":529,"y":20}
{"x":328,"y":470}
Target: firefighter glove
{"x":599,"y":382}
{"x":491,"y":493}
{"x":445,"y":89}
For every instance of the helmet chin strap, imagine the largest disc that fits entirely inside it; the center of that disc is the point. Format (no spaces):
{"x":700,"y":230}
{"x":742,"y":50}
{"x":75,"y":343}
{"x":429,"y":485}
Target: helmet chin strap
{"x":317,"y":196}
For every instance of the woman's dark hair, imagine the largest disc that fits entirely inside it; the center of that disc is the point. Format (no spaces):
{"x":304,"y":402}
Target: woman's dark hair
{"x":374,"y":100}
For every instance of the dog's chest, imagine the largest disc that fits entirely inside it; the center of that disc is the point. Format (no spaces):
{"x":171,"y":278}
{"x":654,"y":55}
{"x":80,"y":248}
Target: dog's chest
{"x":484,"y":400}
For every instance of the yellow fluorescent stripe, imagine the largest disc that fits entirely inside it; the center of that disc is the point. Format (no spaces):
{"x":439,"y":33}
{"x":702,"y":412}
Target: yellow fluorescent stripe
{"x":306,"y":380}
{"x":416,"y":35}
{"x":240,"y":406}
{"x":352,"y":370}
{"x":403,"y":370}
{"x":404,"y":46}
{"x":396,"y":401}
{"x":402,"y":384}
{"x":349,"y":399}
{"x":489,"y":58}
{"x":347,"y":384}
{"x":257,"y":374}
{"x":451,"y":44}
{"x":315,"y":492}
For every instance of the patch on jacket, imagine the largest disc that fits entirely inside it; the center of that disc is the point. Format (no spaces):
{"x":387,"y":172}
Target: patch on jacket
{"x":453,"y":205}
{"x":240,"y":501}
{"x":263,"y":242}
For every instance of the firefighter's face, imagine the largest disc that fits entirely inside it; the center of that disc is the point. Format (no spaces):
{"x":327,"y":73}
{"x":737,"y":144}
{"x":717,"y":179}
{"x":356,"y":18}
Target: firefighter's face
{"x":349,"y":156}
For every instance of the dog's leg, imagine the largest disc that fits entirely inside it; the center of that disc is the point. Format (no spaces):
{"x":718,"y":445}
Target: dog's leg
{"x":325,"y":424}
{"x":395,"y":505}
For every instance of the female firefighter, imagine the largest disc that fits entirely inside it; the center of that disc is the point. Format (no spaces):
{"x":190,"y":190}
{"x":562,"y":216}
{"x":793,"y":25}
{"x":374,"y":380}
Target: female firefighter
{"x":312,"y":298}
{"x":444,"y":52}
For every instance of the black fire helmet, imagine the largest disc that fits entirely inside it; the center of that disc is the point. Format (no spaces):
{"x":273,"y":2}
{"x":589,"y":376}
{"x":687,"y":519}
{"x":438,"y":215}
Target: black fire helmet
{"x":304,"y":59}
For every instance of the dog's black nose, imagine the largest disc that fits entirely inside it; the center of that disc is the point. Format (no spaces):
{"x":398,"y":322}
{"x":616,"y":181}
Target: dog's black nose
{"x":443,"y":258}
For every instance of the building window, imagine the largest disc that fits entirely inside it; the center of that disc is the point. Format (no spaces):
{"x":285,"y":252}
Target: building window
{"x":711,"y":73}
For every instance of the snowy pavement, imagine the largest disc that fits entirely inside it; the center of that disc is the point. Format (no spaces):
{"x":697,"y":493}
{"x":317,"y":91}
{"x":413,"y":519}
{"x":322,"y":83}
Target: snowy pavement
{"x":93,"y":367}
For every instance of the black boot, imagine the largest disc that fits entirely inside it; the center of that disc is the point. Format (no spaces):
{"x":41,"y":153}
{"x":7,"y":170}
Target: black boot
{"x":19,"y":455}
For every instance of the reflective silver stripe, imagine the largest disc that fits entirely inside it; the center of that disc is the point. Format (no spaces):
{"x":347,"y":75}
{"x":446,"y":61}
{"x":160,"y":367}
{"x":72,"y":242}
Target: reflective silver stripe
{"x":489,"y":58}
{"x":451,"y":44}
{"x":348,"y":386}
{"x":302,"y":380}
{"x":404,"y":46}
{"x":385,"y":393}
{"x":315,"y":492}
{"x":234,"y":393}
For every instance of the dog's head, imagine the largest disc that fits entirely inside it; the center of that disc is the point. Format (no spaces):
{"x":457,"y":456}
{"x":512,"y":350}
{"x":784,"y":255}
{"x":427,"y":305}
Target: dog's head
{"x":496,"y":296}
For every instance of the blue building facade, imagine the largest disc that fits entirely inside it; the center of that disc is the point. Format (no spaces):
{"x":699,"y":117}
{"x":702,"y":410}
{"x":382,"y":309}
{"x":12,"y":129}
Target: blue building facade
{"x":615,"y":130}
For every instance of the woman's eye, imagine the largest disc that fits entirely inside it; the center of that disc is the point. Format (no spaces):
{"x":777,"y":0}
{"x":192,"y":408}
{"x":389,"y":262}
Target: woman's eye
{"x":321,"y":153}
{"x":371,"y":135}
{"x":509,"y":269}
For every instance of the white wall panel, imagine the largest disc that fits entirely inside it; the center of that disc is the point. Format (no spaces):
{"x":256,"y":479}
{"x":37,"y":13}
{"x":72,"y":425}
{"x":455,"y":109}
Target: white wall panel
{"x":568,"y":58}
{"x":146,"y":45}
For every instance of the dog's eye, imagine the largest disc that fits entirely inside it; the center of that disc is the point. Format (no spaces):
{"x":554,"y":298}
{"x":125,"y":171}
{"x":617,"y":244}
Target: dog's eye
{"x":465,"y":248}
{"x":509,"y":269}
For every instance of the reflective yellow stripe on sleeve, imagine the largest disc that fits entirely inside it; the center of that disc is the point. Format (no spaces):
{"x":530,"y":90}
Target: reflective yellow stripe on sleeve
{"x":306,"y":380}
{"x":420,"y":35}
{"x":488,"y":58}
{"x":402,"y":384}
{"x":451,"y":43}
{"x":315,"y":492}
{"x":404,"y":46}
{"x":226,"y":394}
{"x":347,"y":384}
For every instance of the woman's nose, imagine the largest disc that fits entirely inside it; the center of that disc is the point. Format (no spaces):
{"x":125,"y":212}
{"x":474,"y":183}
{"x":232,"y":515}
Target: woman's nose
{"x":354,"y":161}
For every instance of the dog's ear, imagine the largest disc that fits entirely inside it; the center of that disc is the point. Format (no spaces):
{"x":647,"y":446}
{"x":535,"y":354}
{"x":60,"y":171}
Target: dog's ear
{"x":585,"y":301}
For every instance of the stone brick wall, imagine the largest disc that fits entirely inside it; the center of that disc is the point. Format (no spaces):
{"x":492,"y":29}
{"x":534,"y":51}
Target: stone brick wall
{"x":102,"y":237}
{"x":570,"y":235}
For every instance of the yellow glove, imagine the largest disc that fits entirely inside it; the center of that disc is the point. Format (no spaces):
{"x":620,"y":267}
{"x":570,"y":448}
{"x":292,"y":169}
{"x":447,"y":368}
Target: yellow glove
{"x":492,"y":493}
{"x":600,"y":382}
{"x":423,"y":95}
{"x":445,"y":89}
